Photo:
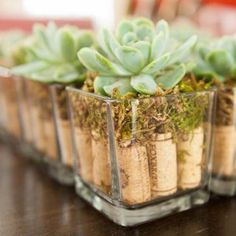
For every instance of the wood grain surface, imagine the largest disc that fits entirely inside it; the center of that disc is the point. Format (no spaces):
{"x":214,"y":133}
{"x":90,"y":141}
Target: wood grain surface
{"x":33,"y":204}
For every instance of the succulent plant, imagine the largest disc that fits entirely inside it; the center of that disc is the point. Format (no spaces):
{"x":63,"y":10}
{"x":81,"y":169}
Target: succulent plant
{"x":140,"y":58}
{"x":217,"y":60}
{"x":52,"y":54}
{"x":10,"y":50}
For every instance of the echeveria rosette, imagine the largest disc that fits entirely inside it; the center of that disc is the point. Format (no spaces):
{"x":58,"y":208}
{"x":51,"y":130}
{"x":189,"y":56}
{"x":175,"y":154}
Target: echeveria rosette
{"x":52,"y":54}
{"x":137,"y":59}
{"x":217,"y":60}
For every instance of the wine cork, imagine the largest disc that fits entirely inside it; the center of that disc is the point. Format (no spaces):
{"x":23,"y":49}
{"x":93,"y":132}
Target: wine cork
{"x":50,"y":139}
{"x":224,"y":160}
{"x":84,"y":150}
{"x":163,"y":165}
{"x":27,"y":123}
{"x":190,"y":167}
{"x":134,"y":172}
{"x":13,"y":119}
{"x":37,"y":129}
{"x":101,"y":165}
{"x":3,"y":105}
{"x":65,"y":141}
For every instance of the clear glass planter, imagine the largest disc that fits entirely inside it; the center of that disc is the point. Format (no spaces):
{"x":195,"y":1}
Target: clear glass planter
{"x":10,"y":113}
{"x":141,"y":159}
{"x":39,"y":100}
{"x":223,"y":179}
{"x":59,"y":96}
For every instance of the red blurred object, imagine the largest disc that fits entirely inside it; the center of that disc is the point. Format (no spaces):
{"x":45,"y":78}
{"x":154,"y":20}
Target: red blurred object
{"x":222,"y":2}
{"x":26,"y":24}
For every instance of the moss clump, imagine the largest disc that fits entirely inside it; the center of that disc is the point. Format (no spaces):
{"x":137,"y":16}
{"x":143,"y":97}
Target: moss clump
{"x":141,"y":120}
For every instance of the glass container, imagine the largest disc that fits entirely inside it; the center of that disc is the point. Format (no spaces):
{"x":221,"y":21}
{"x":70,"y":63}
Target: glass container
{"x":224,"y":157}
{"x":44,"y":133}
{"x":141,"y":159}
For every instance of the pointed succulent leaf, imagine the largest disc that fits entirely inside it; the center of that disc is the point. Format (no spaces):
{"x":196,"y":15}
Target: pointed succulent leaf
{"x":171,"y":78}
{"x":66,"y":45}
{"x":100,"y":82}
{"x":45,"y":76}
{"x":182,"y":51}
{"x":144,"y":48}
{"x":94,"y":61}
{"x":162,"y":26}
{"x":41,"y":36}
{"x":144,"y":84}
{"x":108,"y":43}
{"x":43,"y":55}
{"x":155,"y":66}
{"x":83,"y":39}
{"x":124,"y":27}
{"x":158,"y":45}
{"x":70,"y":77}
{"x":130,"y":58}
{"x":51,"y":30}
{"x":221,"y":61}
{"x":25,"y":69}
{"x":122,"y":86}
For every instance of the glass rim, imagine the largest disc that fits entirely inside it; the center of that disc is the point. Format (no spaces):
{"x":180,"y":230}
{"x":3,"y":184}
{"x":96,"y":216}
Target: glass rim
{"x":108,"y":99}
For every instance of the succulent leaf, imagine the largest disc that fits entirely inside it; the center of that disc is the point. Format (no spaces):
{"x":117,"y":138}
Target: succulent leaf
{"x":83,"y":39}
{"x":94,"y":61}
{"x":144,"y":48}
{"x":100,"y":82}
{"x":108,"y":43}
{"x":183,"y":50}
{"x":162,"y":26}
{"x":155,"y":66}
{"x":171,"y":78}
{"x":131,"y":58}
{"x":124,"y":27}
{"x":221,"y":61}
{"x":158,"y":45}
{"x":129,"y":38}
{"x":144,"y":84}
{"x":26,"y":69}
{"x":67,"y":45}
{"x":122,"y":86}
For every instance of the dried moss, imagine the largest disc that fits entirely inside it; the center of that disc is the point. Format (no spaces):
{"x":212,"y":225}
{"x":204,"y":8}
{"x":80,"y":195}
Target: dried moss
{"x":225,"y":103}
{"x":40,"y":98}
{"x":140,"y":119}
{"x":61,"y":100}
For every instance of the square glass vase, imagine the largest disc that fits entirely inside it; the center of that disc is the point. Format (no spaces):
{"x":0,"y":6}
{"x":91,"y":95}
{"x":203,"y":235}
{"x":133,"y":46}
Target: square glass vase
{"x":10,"y":122}
{"x":42,"y":131}
{"x":223,"y":170}
{"x":137,"y":160}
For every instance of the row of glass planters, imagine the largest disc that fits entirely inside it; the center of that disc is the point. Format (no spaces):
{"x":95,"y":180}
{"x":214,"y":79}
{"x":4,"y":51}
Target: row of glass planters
{"x":131,"y":179}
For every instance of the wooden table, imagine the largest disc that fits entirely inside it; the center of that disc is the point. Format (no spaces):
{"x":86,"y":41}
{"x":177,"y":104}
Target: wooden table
{"x":33,"y":204}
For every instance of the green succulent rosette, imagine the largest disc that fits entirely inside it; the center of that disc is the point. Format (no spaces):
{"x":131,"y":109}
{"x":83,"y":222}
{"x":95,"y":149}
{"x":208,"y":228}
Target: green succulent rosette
{"x":140,"y":58}
{"x":217,"y":60}
{"x":52,"y":54}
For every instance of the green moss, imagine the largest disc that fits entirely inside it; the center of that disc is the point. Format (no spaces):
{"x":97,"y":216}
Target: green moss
{"x":142,"y":119}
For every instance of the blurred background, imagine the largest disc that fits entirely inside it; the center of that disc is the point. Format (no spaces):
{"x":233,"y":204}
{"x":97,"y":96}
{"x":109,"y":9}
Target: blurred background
{"x":215,"y":16}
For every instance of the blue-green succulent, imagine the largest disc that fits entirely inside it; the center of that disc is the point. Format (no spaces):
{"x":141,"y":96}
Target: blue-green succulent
{"x":52,"y":54}
{"x":217,"y":60}
{"x":139,"y":58}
